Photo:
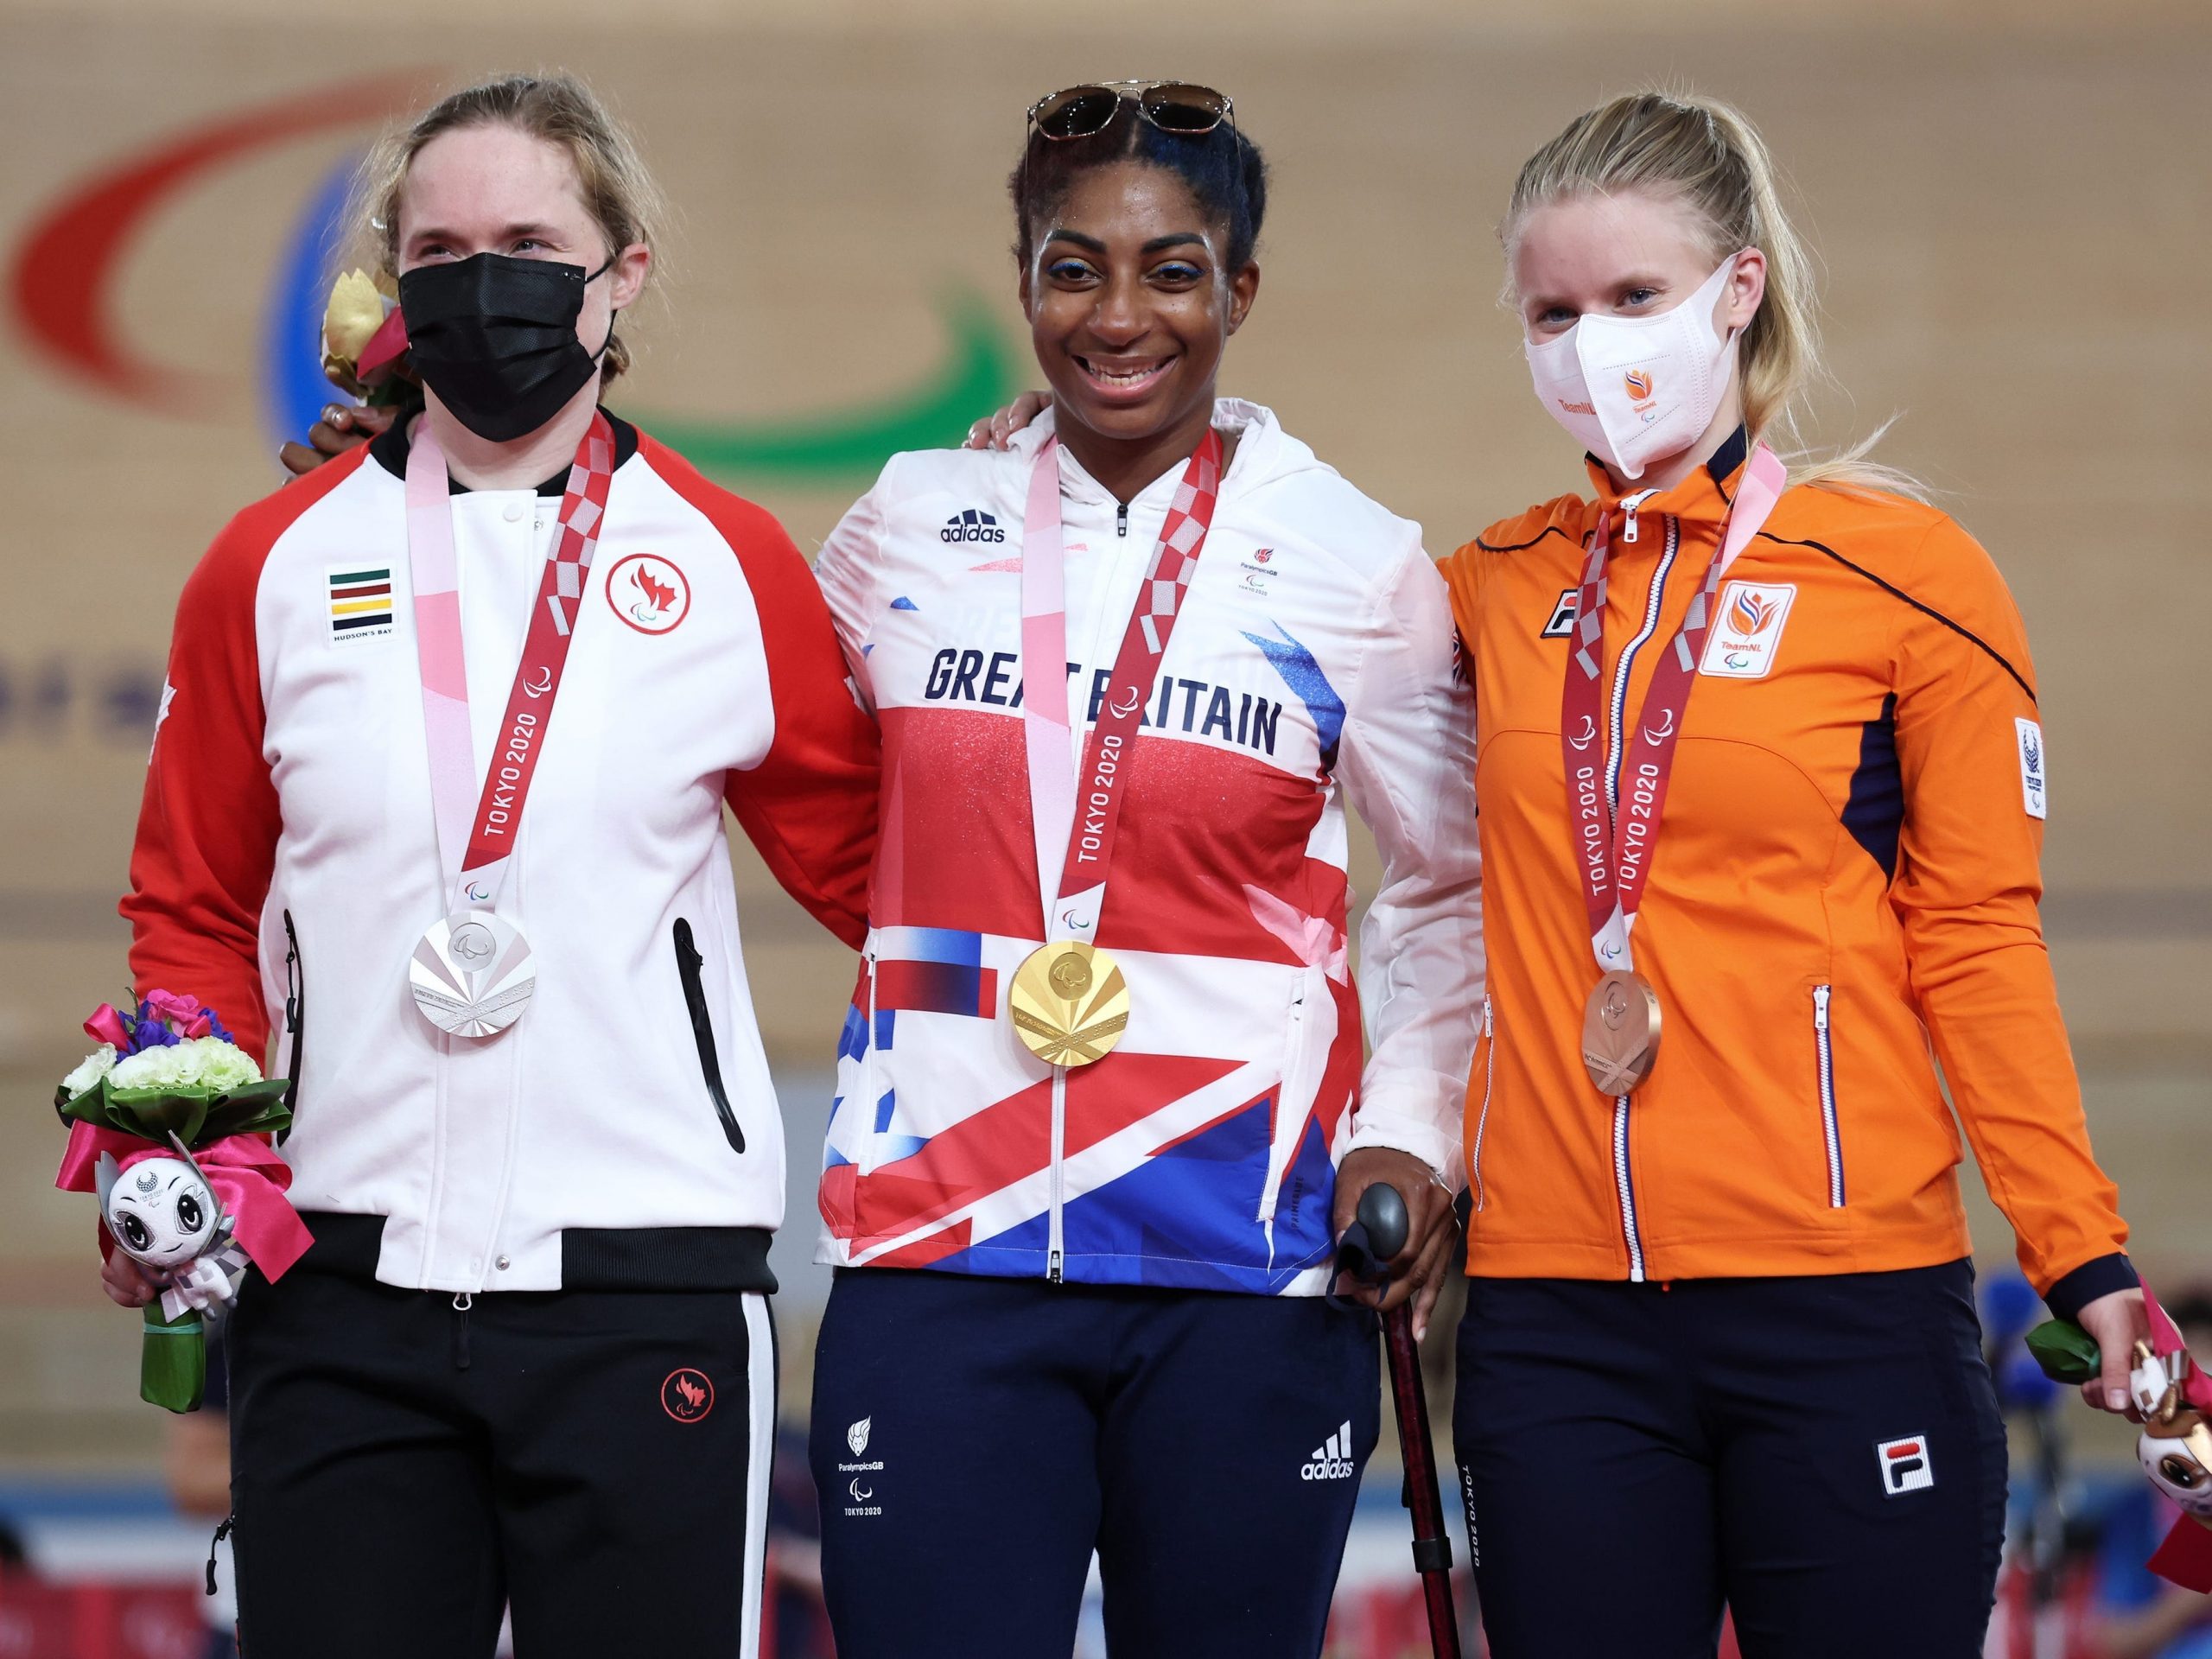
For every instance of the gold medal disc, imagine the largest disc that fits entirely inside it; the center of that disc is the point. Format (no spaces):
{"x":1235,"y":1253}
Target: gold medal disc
{"x":1620,"y":1033}
{"x":1069,"y":1002}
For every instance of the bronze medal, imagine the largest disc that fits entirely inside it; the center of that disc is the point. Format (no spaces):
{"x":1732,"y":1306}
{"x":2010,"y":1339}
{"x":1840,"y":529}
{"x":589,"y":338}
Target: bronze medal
{"x":1069,"y":1002}
{"x":1620,"y":1033}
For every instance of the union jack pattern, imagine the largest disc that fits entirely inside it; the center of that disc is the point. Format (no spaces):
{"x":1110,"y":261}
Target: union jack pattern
{"x":1201,"y":1152}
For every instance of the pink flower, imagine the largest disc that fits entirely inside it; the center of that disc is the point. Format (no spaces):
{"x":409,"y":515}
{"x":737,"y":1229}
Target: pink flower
{"x":185,"y":1015}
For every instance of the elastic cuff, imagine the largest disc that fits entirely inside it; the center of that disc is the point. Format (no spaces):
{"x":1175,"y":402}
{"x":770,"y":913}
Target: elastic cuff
{"x":2086,"y":1283}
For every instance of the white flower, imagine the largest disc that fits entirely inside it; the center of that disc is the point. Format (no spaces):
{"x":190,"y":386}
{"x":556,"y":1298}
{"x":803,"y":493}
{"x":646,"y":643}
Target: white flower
{"x":88,"y":1075}
{"x":219,"y":1065}
{"x":151,"y":1068}
{"x":196,"y":1063}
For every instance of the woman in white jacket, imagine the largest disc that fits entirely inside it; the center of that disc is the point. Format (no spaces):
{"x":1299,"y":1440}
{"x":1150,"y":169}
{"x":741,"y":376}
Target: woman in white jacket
{"x":489,"y":681}
{"x":1101,"y":1096}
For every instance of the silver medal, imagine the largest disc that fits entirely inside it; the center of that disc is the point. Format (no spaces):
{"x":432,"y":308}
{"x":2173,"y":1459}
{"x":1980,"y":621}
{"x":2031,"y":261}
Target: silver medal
{"x":473,"y":974}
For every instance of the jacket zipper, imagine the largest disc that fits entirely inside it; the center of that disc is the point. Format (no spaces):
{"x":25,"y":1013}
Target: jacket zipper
{"x":1120,"y":518}
{"x":688,"y":964}
{"x":295,"y":994}
{"x":1829,"y":1130}
{"x":1482,"y":1119}
{"x":1055,"y":1243}
{"x":1624,"y":1177}
{"x":868,"y":1067}
{"x":1292,"y":1088}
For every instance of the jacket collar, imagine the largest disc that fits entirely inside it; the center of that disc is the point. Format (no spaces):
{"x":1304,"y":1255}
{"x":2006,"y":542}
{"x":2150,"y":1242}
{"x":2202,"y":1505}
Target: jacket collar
{"x":1258,"y":455}
{"x":1701,"y":498}
{"x":389,"y":450}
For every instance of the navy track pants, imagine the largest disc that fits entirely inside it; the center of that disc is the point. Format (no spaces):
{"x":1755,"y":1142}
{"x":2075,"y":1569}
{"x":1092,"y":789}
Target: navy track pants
{"x":1823,"y":1454}
{"x":974,"y":1440}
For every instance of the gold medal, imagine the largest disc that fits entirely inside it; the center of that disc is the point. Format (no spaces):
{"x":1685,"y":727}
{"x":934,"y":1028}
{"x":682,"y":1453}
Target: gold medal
{"x":1620,"y":1033}
{"x":1070,"y":1003}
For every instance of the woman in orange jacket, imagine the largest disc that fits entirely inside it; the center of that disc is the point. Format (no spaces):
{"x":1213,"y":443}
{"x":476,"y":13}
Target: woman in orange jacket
{"x":1763,"y":796}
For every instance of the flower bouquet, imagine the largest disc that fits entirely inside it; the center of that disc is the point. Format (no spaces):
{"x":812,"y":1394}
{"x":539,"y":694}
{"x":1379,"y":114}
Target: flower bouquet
{"x":164,"y":1121}
{"x":364,"y":341}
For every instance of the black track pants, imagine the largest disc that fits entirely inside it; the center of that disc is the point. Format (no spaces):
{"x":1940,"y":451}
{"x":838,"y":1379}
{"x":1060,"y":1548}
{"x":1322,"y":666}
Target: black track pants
{"x":1823,"y":1454}
{"x":401,"y":1469}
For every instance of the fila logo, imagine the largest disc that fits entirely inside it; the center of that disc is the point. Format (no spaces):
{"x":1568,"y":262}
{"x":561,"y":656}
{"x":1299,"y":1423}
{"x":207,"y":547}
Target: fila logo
{"x":971,"y":524}
{"x":1331,"y":1461}
{"x":2032,"y":782}
{"x":1562,"y":622}
{"x":1746,"y":630}
{"x":1904,"y":1464}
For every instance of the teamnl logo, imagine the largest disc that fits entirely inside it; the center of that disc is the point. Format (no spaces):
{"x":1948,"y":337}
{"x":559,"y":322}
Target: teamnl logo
{"x":971,"y":525}
{"x":1331,"y":1461}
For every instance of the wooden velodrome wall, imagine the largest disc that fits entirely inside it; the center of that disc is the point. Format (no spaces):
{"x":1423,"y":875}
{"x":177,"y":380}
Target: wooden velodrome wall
{"x":2015,"y":217}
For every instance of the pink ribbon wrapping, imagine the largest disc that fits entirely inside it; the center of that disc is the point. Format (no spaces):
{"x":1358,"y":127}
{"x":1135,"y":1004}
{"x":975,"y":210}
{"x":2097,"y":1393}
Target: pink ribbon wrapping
{"x":2165,"y":1342}
{"x":248,"y":1175}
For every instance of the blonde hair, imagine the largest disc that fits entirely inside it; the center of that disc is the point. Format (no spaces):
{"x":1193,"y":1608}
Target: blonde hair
{"x":1704,"y":154}
{"x":619,"y":193}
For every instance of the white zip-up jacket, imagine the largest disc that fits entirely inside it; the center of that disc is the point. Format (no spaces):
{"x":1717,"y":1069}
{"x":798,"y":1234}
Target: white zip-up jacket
{"x":1313,"y":659}
{"x":623,"y":1134}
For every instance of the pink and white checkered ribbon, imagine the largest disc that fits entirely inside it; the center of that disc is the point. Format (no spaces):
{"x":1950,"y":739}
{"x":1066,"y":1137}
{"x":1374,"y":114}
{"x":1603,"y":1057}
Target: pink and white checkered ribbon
{"x":472,"y":855}
{"x":1074,"y":817}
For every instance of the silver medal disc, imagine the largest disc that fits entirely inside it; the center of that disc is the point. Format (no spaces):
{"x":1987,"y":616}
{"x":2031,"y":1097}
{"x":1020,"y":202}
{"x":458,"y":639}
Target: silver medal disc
{"x":473,"y":974}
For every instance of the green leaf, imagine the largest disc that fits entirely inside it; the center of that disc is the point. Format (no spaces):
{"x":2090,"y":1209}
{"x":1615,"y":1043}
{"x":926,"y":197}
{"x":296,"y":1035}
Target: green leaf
{"x":2066,"y":1352}
{"x":173,"y":1360}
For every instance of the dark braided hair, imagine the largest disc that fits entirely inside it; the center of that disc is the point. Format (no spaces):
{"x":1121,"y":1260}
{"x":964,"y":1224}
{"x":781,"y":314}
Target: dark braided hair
{"x":1224,"y":170}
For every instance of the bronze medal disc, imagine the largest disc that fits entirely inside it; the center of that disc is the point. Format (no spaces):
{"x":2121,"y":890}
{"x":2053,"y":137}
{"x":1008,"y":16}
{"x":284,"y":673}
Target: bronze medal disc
{"x":1620,"y":1033}
{"x":1069,"y":1003}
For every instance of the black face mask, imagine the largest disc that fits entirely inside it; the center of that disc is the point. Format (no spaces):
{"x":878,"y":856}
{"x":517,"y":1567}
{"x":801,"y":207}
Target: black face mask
{"x":495,"y":338}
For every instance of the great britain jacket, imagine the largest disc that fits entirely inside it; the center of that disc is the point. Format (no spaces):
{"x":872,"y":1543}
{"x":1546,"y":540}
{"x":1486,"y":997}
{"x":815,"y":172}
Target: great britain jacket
{"x":1311,"y":663}
{"x":623,"y":1134}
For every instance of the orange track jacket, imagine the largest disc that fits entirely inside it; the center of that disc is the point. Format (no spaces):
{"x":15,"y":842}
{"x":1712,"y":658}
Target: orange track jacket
{"x":1846,"y":872}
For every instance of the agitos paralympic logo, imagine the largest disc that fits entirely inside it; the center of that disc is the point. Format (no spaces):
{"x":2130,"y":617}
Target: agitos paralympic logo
{"x":63,"y":272}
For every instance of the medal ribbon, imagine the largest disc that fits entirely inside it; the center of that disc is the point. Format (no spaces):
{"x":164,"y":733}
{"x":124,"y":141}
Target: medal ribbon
{"x":482,"y":846}
{"x":1614,"y":839}
{"x":1076,"y":823}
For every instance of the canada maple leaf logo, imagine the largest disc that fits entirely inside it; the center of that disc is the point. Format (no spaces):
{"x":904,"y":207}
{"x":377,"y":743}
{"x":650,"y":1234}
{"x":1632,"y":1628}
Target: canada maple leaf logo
{"x":659,"y":595}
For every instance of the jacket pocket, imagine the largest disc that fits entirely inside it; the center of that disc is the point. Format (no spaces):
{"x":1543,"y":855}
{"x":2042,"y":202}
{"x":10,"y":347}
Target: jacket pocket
{"x":688,"y":964}
{"x":1824,"y":1053}
{"x":1482,"y":1116}
{"x":296,"y":1001}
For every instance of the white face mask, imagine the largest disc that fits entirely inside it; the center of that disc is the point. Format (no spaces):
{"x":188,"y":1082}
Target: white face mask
{"x":1635,"y":389}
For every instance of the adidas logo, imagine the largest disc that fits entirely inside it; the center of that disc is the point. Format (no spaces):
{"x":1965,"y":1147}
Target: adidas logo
{"x":971,"y":525}
{"x":1332,"y":1460}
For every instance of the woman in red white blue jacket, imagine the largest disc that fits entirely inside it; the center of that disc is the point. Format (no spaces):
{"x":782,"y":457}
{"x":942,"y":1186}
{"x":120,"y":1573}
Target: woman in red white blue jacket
{"x":1104,"y":1059}
{"x":528,"y":1361}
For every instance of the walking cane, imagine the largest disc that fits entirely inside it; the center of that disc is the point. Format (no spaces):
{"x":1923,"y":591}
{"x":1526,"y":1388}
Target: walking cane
{"x":1378,"y":1233}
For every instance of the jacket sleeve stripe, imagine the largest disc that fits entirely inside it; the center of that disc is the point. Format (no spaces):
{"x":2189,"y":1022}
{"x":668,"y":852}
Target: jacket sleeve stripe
{"x":1926,"y":610}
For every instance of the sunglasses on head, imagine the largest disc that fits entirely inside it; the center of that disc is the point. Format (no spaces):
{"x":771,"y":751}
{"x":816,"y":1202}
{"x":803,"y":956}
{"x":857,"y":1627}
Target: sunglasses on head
{"x":1176,"y":106}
